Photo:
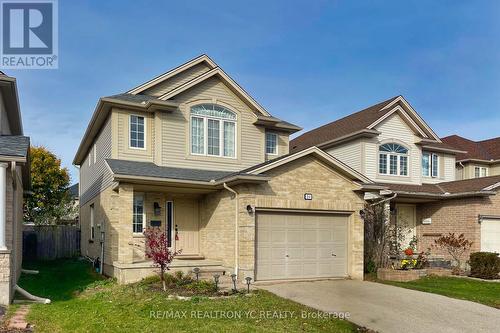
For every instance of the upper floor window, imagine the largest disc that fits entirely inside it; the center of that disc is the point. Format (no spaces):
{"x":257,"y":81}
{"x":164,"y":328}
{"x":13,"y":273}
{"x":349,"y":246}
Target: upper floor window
{"x":213,"y":131}
{"x":393,"y":160}
{"x":137,"y":131}
{"x":271,"y":143}
{"x":430,"y":165}
{"x":480,"y":172}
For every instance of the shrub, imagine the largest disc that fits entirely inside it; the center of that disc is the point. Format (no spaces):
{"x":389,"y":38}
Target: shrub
{"x":484,"y":265}
{"x":456,"y":246}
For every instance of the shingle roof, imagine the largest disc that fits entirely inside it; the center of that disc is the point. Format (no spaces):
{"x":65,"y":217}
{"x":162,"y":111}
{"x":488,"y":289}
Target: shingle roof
{"x":73,"y":190}
{"x":339,"y":128}
{"x":148,"y":169}
{"x":481,"y":150}
{"x":14,"y":145}
{"x":453,"y":187}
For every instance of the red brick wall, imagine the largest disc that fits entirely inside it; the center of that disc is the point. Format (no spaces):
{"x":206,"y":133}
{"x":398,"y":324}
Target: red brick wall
{"x":455,"y":216}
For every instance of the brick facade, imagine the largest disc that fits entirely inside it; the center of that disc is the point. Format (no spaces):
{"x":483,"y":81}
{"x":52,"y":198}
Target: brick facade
{"x":454,"y":216}
{"x":11,"y":260}
{"x":285,"y":190}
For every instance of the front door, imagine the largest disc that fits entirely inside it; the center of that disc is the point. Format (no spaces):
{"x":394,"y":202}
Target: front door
{"x":407,"y":220}
{"x":186,"y":226}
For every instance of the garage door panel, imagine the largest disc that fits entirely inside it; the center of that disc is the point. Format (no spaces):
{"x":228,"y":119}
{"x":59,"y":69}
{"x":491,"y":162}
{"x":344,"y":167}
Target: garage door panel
{"x":301,"y":246}
{"x":490,"y":235}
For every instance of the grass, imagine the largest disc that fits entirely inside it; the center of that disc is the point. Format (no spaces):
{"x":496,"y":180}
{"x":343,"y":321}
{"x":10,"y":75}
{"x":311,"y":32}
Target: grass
{"x":83,"y":302}
{"x":487,"y":293}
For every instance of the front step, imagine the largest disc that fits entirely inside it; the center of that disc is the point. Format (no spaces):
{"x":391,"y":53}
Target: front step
{"x":189,"y":257}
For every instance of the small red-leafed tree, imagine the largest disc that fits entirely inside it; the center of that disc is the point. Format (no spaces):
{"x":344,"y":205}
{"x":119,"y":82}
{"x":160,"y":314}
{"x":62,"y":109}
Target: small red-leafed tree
{"x":157,"y":249}
{"x":456,"y":246}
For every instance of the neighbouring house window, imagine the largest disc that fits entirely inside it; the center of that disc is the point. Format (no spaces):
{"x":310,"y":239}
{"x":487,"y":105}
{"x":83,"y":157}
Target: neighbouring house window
{"x":426,"y":164}
{"x":137,"y":131}
{"x":90,"y":157}
{"x":138,"y":218}
{"x":480,"y":172}
{"x":271,"y":143}
{"x":435,"y":165}
{"x":95,"y":153}
{"x":213,"y":131}
{"x":92,"y":222}
{"x":430,"y":165}
{"x":393,"y":160}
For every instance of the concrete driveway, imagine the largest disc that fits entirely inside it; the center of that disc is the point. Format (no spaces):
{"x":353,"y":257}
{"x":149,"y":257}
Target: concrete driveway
{"x":391,"y":309}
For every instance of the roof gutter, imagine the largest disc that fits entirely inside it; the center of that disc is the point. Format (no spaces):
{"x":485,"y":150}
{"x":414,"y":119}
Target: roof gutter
{"x":445,"y":195}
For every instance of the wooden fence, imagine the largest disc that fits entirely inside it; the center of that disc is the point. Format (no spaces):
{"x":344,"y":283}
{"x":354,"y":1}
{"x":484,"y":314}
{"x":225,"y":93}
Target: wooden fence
{"x":50,"y":242}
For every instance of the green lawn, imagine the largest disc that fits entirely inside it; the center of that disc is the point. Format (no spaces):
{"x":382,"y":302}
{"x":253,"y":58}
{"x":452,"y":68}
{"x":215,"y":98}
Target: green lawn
{"x":487,"y":293}
{"x":82,"y":302}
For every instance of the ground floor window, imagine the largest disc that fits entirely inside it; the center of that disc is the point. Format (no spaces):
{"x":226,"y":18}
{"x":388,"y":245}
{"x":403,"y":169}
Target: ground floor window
{"x":138,"y":214}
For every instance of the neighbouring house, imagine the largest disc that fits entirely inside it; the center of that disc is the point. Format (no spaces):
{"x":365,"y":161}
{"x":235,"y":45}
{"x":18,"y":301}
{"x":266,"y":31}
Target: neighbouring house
{"x":481,"y":159}
{"x":193,"y":153}
{"x":14,"y":180}
{"x":73,"y":217}
{"x":392,"y":145}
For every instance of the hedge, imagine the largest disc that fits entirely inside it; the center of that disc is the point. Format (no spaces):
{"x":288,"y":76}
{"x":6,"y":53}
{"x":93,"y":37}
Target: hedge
{"x":484,"y":265}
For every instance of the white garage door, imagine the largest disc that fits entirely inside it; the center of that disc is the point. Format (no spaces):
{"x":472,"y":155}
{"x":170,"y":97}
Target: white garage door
{"x":297,"y":245}
{"x":490,"y":235}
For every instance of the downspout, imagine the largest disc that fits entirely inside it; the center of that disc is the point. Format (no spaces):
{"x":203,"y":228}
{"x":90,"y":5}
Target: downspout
{"x":463,"y":169}
{"x":236,"y":236}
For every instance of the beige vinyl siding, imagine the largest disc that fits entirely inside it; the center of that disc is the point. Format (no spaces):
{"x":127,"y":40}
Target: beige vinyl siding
{"x":176,"y":137}
{"x":4,"y":121}
{"x":494,"y":169}
{"x":283,"y":145}
{"x":349,"y":153}
{"x":94,"y":178}
{"x":394,"y":129}
{"x":177,"y":80}
{"x":121,"y":136}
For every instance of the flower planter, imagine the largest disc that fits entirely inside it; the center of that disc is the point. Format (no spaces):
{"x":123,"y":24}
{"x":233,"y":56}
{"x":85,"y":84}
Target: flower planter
{"x":400,"y":275}
{"x":410,"y":274}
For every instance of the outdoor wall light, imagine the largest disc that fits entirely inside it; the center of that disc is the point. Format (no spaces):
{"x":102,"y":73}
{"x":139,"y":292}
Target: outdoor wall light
{"x":156,"y":208}
{"x":250,"y":209}
{"x":196,"y":272}
{"x":233,"y":277}
{"x":216,"y":280}
{"x":248,"y":279}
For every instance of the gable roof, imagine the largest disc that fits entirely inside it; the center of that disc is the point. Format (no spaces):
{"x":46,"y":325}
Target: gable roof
{"x":486,"y":150}
{"x":193,"y":62}
{"x":320,"y":154}
{"x":363,"y":123}
{"x":459,"y":188}
{"x":8,"y":88}
{"x":137,"y":100}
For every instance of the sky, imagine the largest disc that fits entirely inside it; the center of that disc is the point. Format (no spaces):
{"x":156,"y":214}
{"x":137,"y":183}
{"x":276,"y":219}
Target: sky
{"x":307,"y":62}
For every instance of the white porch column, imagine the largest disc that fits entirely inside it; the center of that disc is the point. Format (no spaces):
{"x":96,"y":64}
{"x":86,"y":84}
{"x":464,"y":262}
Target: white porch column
{"x":3,"y":204}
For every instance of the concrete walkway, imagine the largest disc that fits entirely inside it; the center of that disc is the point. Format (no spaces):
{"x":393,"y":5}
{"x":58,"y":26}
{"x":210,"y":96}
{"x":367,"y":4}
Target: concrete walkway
{"x":391,"y":309}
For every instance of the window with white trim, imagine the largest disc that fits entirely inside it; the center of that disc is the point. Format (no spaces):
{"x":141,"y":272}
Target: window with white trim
{"x":393,"y":160}
{"x":92,"y":222}
{"x":271,"y":143}
{"x":480,"y":172}
{"x":430,"y":165}
{"x":137,"y":132}
{"x":138,"y":217}
{"x":213,"y":131}
{"x":95,"y":153}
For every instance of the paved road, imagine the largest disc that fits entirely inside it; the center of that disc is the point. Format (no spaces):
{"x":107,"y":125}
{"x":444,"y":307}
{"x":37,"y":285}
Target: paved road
{"x":391,"y":309}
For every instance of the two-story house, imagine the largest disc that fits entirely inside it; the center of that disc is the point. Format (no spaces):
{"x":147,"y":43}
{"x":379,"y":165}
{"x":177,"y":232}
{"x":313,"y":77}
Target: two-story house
{"x":481,"y":159}
{"x":191,"y":152}
{"x":392,"y":145}
{"x":14,"y":179}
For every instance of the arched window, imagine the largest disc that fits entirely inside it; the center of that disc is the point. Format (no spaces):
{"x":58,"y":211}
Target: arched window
{"x":393,"y":160}
{"x":213,"y":130}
